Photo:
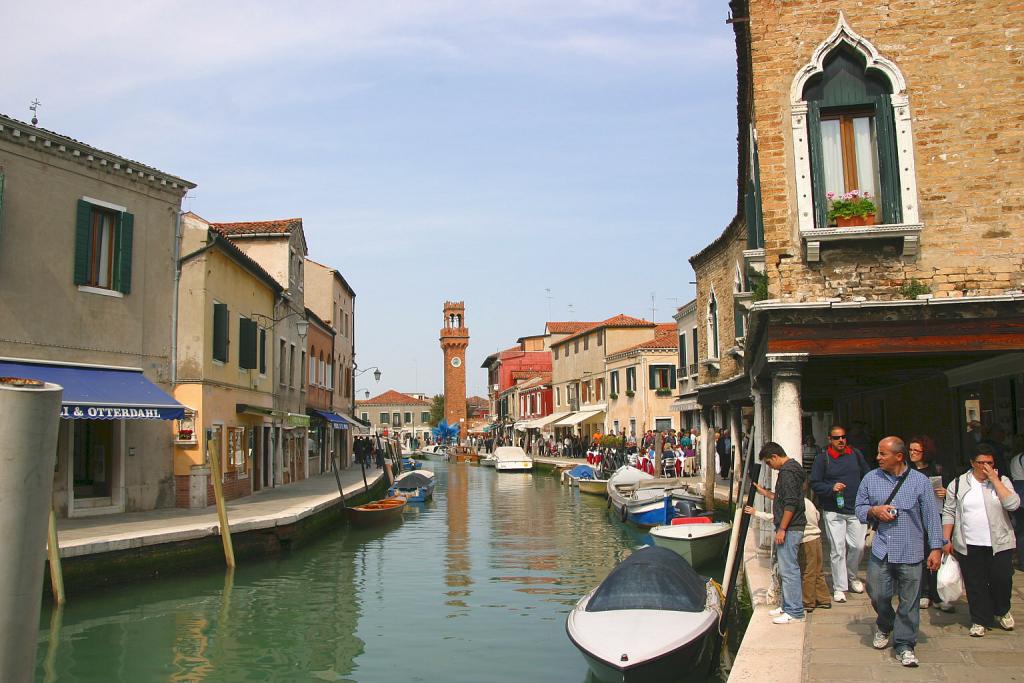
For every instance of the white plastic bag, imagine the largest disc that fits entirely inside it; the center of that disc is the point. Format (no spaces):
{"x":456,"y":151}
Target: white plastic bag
{"x":950,"y":582}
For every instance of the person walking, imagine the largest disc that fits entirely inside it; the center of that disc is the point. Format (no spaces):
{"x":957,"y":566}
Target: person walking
{"x":723,"y":447}
{"x":922,"y":454}
{"x":901,"y":502}
{"x":836,"y":476}
{"x":976,"y":526}
{"x":789,"y":520}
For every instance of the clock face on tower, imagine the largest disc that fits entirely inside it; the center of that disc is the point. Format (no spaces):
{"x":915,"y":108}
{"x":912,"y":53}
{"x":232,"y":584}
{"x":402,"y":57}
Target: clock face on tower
{"x":456,"y":361}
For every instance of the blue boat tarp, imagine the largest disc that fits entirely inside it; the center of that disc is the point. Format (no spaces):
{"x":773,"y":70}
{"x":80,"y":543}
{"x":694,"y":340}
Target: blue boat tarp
{"x":94,"y":392}
{"x":582,"y":472}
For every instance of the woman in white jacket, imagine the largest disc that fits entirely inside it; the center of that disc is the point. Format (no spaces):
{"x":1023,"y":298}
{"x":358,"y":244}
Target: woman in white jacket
{"x":976,"y":526}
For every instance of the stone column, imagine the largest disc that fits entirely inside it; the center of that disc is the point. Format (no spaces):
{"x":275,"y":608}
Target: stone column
{"x":786,"y":411}
{"x":736,"y":436}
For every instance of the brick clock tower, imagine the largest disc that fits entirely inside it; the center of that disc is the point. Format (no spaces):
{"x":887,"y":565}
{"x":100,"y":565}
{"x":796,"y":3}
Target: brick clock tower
{"x":454,"y":340}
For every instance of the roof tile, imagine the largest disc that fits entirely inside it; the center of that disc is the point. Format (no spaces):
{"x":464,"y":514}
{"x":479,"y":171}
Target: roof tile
{"x":281,"y":226}
{"x":393,"y":398}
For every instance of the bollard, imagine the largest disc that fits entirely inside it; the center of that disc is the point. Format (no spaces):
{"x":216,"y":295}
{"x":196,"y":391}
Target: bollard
{"x":29,"y":417}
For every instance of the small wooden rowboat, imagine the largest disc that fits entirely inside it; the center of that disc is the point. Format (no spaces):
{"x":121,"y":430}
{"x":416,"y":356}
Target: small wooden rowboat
{"x":377,"y":511}
{"x":464,"y":454}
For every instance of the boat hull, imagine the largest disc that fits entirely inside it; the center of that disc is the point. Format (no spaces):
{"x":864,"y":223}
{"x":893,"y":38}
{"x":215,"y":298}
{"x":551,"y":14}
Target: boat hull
{"x":697,"y":549}
{"x":696,"y":658}
{"x":514,"y":466}
{"x":596,"y":487}
{"x":420,"y":494}
{"x":376,"y":512}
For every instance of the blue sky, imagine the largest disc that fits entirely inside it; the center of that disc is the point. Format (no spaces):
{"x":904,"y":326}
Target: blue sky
{"x":476,"y":150}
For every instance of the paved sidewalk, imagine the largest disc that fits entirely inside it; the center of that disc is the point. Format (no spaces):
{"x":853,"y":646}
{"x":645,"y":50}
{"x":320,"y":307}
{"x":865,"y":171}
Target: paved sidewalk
{"x":837,"y":645}
{"x":265,"y":509}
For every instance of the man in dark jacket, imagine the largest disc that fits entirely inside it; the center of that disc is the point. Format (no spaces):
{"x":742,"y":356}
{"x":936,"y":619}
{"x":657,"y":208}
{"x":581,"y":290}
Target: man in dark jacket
{"x":724,"y":449}
{"x":788,"y":515}
{"x":835,"y":476}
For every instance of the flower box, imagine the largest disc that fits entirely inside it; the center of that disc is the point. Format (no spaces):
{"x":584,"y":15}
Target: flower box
{"x":855,"y":221}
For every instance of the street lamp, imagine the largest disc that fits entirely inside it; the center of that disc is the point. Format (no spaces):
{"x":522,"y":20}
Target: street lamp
{"x":301,"y":326}
{"x":376,"y":371}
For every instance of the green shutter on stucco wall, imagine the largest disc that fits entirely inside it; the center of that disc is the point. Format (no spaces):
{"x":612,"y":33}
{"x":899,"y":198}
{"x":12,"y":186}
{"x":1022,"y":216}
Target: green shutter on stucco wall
{"x":888,"y":161}
{"x":246,"y":344}
{"x":82,"y":219}
{"x":817,"y":164}
{"x":123,"y":275}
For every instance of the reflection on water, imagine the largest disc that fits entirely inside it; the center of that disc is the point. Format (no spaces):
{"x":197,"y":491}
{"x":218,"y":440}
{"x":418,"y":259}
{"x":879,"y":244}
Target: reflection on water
{"x":474,"y":586}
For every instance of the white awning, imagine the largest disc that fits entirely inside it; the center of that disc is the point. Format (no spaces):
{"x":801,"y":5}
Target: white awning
{"x":579,"y":417}
{"x":684,"y":405}
{"x":553,"y":417}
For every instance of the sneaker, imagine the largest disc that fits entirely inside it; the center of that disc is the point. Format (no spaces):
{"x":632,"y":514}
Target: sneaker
{"x":925,"y":603}
{"x":1006,"y":622}
{"x":856,"y":585}
{"x":839,"y":596}
{"x":977,"y":630}
{"x":880,"y":641}
{"x":908,"y":658}
{"x":824,"y":605}
{"x":785,"y":618}
{"x":945,"y":606}
{"x":775,"y":612}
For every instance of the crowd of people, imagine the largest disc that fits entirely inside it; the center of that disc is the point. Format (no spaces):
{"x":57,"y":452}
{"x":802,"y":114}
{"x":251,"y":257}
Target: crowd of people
{"x":918,"y":516}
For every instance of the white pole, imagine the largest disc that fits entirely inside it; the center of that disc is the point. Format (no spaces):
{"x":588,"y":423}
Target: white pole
{"x":29,"y":418}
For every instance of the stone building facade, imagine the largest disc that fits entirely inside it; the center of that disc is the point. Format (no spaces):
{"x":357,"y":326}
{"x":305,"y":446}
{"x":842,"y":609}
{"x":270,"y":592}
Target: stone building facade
{"x":909,"y":323}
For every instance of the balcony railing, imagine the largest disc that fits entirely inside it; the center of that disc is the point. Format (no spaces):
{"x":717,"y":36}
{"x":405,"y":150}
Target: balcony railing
{"x":693,"y":368}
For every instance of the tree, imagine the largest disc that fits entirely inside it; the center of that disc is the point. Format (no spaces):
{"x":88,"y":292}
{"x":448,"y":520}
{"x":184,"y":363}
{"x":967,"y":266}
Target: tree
{"x":436,"y":410}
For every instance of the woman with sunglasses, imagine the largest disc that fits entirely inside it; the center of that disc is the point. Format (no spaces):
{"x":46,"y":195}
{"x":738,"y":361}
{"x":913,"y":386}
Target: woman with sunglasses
{"x":922,"y":458}
{"x":976,"y":526}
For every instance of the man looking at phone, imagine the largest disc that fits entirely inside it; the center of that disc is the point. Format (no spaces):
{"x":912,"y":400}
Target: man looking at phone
{"x":899,"y":503}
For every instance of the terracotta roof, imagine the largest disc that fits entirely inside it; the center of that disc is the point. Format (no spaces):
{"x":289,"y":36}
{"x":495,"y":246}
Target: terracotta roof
{"x":393,"y":398}
{"x":663,"y":339}
{"x":282,"y":226}
{"x":568,"y":327}
{"x":538,"y":381}
{"x":619,"y":320}
{"x":215,"y":239}
{"x":477,"y":401}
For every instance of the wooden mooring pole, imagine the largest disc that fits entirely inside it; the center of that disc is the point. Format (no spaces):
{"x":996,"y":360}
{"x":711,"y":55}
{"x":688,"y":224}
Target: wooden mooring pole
{"x":222,"y":511}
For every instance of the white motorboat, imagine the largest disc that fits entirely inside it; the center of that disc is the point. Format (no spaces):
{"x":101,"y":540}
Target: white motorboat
{"x":653,"y":618}
{"x":487,"y":460}
{"x":697,"y":539}
{"x":512,"y":459}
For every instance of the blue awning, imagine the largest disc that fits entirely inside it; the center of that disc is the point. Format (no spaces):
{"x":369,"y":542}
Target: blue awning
{"x":337,"y":420}
{"x":97,"y":393}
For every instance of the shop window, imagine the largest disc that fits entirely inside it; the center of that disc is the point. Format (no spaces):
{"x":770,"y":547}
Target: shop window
{"x":237,"y":460}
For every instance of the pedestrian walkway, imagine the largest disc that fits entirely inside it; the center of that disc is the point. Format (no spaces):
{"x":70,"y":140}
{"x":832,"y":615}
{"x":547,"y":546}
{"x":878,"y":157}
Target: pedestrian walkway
{"x":837,"y":645}
{"x":265,"y":509}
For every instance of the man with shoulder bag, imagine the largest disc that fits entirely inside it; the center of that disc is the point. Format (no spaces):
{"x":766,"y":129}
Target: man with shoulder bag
{"x":901,"y":502}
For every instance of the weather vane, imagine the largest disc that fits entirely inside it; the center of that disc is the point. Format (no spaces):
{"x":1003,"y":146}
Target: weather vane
{"x":33,"y":107}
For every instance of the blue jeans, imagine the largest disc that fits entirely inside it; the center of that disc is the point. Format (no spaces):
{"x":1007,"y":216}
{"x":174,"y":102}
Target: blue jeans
{"x":886,"y":580}
{"x":789,"y":574}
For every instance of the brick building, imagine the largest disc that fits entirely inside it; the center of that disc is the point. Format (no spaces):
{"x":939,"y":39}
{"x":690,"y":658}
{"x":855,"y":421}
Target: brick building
{"x":912,"y":322}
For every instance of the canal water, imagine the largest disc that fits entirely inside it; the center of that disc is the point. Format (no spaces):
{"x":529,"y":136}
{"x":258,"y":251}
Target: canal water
{"x":474,"y":586}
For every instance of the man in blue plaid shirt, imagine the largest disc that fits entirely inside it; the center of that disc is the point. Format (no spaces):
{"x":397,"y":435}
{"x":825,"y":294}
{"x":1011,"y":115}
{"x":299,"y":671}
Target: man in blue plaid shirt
{"x":894,"y":566}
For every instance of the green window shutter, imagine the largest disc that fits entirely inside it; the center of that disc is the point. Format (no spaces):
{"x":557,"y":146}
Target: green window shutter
{"x":758,"y":211}
{"x":263,"y":351}
{"x":748,"y":210}
{"x":651,"y":376}
{"x":817,"y":164}
{"x":888,"y":161}
{"x":682,"y":352}
{"x":246,"y":344}
{"x":123,"y":272}
{"x":737,"y":318}
{"x":220,"y":332}
{"x":672,"y":378}
{"x":83,"y":218}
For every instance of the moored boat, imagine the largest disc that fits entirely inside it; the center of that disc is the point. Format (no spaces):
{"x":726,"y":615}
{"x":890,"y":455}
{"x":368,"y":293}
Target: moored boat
{"x":463,"y":454}
{"x":573,"y":476}
{"x":415,"y":487}
{"x":377,"y":511}
{"x":595,"y":487}
{"x":408,"y":464}
{"x":697,"y":540}
{"x":512,"y":459}
{"x":666,"y":630}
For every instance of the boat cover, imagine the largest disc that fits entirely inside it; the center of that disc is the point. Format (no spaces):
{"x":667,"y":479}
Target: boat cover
{"x":651,"y":578}
{"x":582,"y":472}
{"x":413,"y":480}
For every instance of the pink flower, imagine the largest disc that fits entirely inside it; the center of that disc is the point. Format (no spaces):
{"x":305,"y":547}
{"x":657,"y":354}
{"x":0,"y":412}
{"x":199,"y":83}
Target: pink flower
{"x":830,"y":195}
{"x":866,"y":194}
{"x":854,"y":193}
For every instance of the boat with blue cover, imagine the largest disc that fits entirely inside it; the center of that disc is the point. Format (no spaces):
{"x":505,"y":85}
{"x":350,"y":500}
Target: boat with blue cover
{"x":416,"y":486}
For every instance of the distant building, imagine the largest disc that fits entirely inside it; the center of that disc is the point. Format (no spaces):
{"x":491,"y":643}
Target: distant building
{"x":395,"y":413}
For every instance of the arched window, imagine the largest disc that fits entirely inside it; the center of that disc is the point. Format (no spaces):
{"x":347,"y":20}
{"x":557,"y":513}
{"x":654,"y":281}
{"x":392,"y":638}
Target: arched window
{"x":852,"y":131}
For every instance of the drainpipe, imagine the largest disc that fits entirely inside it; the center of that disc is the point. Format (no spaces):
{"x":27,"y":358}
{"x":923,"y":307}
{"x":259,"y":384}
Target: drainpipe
{"x":174,"y":307}
{"x":29,"y":411}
